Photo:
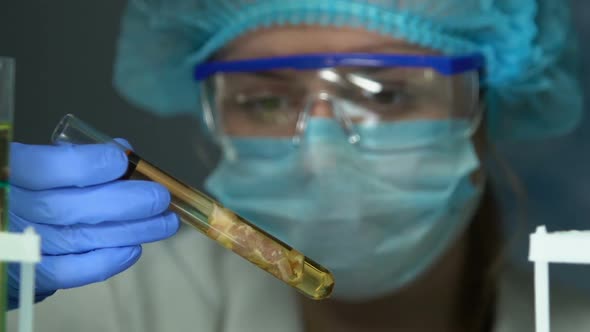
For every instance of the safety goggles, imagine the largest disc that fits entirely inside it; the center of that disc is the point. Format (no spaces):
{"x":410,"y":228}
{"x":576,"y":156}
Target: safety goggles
{"x":365,"y":93}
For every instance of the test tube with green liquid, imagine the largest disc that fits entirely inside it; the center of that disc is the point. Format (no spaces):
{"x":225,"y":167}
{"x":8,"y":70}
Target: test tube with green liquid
{"x":6,"y":112}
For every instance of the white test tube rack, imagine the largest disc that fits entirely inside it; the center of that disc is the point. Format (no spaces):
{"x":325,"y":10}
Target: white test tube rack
{"x":23,"y":248}
{"x":557,"y":247}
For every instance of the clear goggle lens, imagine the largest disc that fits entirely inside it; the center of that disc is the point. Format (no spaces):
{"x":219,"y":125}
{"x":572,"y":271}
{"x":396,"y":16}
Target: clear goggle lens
{"x":367,"y":102}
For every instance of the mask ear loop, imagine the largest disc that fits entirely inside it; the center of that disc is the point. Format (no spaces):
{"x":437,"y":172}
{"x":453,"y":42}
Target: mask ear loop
{"x":479,"y":98}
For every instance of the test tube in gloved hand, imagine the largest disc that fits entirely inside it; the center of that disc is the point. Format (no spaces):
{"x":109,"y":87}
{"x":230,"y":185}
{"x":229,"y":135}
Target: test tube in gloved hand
{"x":212,"y":219}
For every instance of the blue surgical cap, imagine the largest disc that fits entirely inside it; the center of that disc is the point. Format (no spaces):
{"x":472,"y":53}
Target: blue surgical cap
{"x":532,"y":90}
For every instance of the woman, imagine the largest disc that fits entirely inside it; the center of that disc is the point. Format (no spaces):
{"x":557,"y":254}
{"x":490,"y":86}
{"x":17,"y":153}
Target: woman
{"x":354,"y":130}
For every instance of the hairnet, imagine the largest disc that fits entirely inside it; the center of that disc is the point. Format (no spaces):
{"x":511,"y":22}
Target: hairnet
{"x":532,"y":89}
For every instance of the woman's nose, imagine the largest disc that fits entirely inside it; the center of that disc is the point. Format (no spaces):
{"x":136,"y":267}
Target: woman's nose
{"x":322,"y":108}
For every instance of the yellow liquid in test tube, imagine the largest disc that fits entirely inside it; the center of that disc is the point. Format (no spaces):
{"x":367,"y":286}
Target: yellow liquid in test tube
{"x":237,"y":234}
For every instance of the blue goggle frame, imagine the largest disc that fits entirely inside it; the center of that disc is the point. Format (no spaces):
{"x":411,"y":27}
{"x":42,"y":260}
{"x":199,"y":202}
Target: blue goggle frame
{"x":445,"y":65}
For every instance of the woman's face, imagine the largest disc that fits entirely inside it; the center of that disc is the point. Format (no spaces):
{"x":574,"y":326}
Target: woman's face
{"x":283,"y":41}
{"x":296,"y":40}
{"x":355,"y":201}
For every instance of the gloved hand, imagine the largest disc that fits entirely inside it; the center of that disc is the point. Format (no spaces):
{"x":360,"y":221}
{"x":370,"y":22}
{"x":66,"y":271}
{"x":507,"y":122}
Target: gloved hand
{"x":91,"y":224}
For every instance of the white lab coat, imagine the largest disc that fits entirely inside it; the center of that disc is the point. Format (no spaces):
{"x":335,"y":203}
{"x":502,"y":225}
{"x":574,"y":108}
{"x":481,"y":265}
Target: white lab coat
{"x":189,"y":283}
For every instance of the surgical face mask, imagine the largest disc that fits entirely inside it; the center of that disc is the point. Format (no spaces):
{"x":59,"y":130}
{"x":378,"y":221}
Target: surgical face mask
{"x":377,"y":220}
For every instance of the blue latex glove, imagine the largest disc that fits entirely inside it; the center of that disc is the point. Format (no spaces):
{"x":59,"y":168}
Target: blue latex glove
{"x":91,"y":224}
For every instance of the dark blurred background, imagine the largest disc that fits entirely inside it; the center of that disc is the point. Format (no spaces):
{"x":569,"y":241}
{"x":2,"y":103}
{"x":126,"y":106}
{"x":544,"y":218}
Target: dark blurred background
{"x":64,"y":51}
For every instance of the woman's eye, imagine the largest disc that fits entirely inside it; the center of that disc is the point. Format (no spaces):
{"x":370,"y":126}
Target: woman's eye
{"x":265,"y":109}
{"x":389,"y":97}
{"x":261,"y":103}
{"x":272,"y":116}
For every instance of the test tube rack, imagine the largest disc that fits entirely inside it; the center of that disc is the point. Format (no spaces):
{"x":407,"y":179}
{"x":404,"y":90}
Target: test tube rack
{"x":555,"y":247}
{"x":23,"y":248}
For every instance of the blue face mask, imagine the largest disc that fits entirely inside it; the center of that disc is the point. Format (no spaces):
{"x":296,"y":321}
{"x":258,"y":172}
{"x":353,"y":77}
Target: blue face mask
{"x":377,"y":220}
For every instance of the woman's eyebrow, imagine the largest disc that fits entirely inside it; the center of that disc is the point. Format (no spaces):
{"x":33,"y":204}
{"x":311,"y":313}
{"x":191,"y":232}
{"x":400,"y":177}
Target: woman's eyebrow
{"x":392,"y":47}
{"x":274,"y":74}
{"x":386,"y":47}
{"x":263,"y":75}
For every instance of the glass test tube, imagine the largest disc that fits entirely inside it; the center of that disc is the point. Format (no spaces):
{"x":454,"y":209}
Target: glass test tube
{"x":6,"y":113}
{"x":212,"y":219}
